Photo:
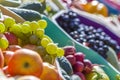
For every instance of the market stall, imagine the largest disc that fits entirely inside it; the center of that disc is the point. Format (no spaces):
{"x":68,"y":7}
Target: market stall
{"x":59,"y":40}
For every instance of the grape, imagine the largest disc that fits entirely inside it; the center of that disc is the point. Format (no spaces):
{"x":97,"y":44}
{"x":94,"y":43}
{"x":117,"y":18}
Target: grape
{"x":2,"y":27}
{"x":25,"y":28}
{"x":39,"y":32}
{"x":51,"y":48}
{"x":78,"y":66}
{"x":69,"y":50}
{"x":94,"y":37}
{"x":26,"y":22}
{"x":60,"y":52}
{"x":44,"y":42}
{"x":42,"y":52}
{"x":42,"y":24}
{"x":8,"y":22}
{"x":79,"y":56}
{"x":45,"y":36}
{"x":4,"y":43}
{"x":15,"y":28}
{"x":34,"y":25}
{"x":87,"y":66}
{"x":33,"y":39}
{"x":71,"y":59}
{"x":48,"y":58}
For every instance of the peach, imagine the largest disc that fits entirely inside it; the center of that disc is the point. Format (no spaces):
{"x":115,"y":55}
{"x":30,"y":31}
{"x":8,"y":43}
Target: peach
{"x":50,"y":72}
{"x":25,"y":62}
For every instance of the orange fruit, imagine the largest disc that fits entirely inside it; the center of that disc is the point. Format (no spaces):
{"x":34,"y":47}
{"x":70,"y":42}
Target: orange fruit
{"x":25,"y":62}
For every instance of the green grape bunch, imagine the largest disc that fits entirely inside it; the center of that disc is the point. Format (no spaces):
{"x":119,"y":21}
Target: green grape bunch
{"x":31,"y":32}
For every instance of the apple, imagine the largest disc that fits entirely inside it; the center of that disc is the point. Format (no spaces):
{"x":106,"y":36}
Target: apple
{"x":79,"y":56}
{"x":71,"y":59}
{"x":50,"y":72}
{"x":25,"y":62}
{"x":7,"y":55}
{"x":13,"y":47}
{"x":11,"y":38}
{"x":69,"y":50}
{"x":1,"y":59}
{"x":78,"y":66}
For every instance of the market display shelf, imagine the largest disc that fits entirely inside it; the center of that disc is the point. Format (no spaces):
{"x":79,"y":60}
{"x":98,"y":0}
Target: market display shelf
{"x":59,"y":36}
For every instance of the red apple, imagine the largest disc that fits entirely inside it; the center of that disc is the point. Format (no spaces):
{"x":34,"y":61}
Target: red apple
{"x":79,"y":56}
{"x":71,"y":59}
{"x":78,"y":66}
{"x":11,"y":38}
{"x":69,"y":50}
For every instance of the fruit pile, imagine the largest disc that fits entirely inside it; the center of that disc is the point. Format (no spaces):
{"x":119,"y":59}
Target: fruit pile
{"x":81,"y":66}
{"x":26,"y":34}
{"x":93,"y":37}
{"x":26,"y":50}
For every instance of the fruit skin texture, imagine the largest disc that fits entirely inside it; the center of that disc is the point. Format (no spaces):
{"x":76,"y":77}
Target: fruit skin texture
{"x":11,"y":38}
{"x":69,"y":50}
{"x":78,"y":66}
{"x":49,"y":72}
{"x":7,"y":56}
{"x":79,"y":56}
{"x":30,"y":46}
{"x":71,"y":59}
{"x":1,"y":59}
{"x":25,"y":62}
{"x":13,"y":47}
{"x":87,"y":66}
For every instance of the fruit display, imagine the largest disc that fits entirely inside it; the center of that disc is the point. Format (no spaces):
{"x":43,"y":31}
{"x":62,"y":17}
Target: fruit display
{"x":50,"y":40}
{"x":81,"y":66}
{"x":90,"y":54}
{"x":25,"y":47}
{"x":92,"y":36}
